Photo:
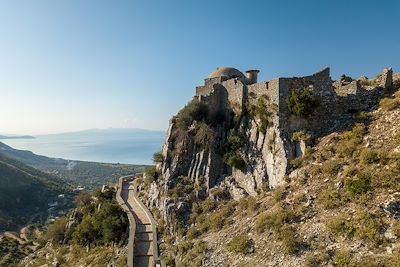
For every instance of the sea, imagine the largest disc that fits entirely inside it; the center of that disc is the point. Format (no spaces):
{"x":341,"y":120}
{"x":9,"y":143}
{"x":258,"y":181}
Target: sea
{"x":129,"y":146}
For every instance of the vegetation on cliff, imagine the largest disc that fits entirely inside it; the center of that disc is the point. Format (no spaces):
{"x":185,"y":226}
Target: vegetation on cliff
{"x":302,"y":102}
{"x":97,"y":223}
{"x":340,"y":203}
{"x":193,"y":111}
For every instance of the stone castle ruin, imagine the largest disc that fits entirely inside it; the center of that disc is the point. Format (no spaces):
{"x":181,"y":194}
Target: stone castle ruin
{"x":269,"y":145}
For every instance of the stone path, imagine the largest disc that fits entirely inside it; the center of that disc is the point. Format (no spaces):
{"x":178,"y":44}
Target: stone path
{"x":145,"y":230}
{"x":143,"y":252}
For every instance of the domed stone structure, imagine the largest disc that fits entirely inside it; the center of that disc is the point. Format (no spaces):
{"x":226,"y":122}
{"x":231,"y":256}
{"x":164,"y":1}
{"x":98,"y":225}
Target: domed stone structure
{"x":228,"y":73}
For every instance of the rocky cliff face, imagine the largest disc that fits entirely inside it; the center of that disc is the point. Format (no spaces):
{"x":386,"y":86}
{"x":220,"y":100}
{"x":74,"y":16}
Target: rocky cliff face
{"x":226,"y":144}
{"x":229,"y":155}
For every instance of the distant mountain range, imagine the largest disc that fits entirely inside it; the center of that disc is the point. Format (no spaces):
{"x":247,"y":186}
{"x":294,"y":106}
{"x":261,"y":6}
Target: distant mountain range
{"x":105,"y":131}
{"x":16,"y":137}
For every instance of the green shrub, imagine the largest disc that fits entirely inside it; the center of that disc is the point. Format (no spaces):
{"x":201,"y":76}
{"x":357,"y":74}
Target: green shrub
{"x":151,"y":175}
{"x":157,"y":157}
{"x":350,"y":171}
{"x":195,"y":256}
{"x":360,"y":184}
{"x":394,"y":162}
{"x":235,"y":160}
{"x":379,"y":261}
{"x":170,"y":261}
{"x":316,"y":259}
{"x":56,"y":231}
{"x":208,"y":205}
{"x":331,"y":167}
{"x":261,"y":111}
{"x":387,"y":178}
{"x":85,"y":233}
{"x":350,"y":140}
{"x":101,"y":226}
{"x":358,"y":131}
{"x":330,"y":199}
{"x":194,"y":110}
{"x":110,"y":221}
{"x":273,"y":220}
{"x":196,"y":211}
{"x":248,"y":204}
{"x":232,"y":156}
{"x":184,"y":246}
{"x":220,"y":194}
{"x":279,"y":193}
{"x":297,"y":162}
{"x":193,"y":233}
{"x":287,"y":235}
{"x":347,"y":147}
{"x":235,"y":142}
{"x":364,"y":226}
{"x":302,"y":102}
{"x":83,"y":199}
{"x":106,"y":195}
{"x":221,"y":217}
{"x":339,"y":225}
{"x":240,"y":244}
{"x":343,"y":258}
{"x":367,"y":227}
{"x":368,"y":156}
{"x":397,"y":139}
{"x":205,"y":136}
{"x":301,"y":136}
{"x":396,"y":229}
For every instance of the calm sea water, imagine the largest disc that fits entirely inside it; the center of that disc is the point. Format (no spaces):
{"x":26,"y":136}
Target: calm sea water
{"x":112,"y":145}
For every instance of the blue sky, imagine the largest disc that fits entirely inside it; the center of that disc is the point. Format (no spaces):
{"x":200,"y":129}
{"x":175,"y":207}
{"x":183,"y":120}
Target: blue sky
{"x":69,"y":65}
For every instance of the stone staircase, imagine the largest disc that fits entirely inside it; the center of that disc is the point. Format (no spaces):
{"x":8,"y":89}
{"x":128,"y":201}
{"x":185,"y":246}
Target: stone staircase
{"x":143,"y":249}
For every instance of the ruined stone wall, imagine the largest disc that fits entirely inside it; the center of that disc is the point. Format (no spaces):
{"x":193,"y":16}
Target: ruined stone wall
{"x":236,"y":91}
{"x":270,"y":89}
{"x":321,"y":85}
{"x":352,"y":88}
{"x":338,"y":104}
{"x":208,"y":86}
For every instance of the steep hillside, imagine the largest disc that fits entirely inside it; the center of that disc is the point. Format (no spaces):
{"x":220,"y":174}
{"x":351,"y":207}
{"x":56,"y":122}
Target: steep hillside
{"x":339,"y":207}
{"x":94,"y":234}
{"x":309,"y":181}
{"x":89,"y":174}
{"x":24,"y":192}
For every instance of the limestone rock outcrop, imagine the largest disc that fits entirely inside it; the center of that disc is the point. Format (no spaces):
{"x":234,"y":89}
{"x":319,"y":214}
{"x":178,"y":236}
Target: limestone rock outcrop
{"x":248,"y":134}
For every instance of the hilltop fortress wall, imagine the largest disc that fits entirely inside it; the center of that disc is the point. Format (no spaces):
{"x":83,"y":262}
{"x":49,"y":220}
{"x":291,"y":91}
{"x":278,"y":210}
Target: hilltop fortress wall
{"x":337,"y":104}
{"x":336,"y":99}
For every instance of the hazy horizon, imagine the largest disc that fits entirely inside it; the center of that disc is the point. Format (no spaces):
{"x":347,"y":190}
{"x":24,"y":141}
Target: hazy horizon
{"x":79,"y":131}
{"x":73,"y":65}
{"x":131,"y":146}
